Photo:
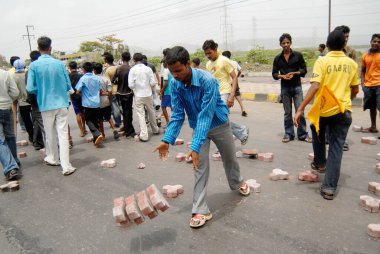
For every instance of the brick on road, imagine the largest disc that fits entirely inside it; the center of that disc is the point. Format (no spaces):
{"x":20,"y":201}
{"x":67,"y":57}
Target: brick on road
{"x":278,"y":174}
{"x":157,"y":199}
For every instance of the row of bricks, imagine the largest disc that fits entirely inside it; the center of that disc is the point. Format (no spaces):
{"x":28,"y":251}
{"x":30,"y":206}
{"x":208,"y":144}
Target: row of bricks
{"x":307,"y":175}
{"x":135,"y":207}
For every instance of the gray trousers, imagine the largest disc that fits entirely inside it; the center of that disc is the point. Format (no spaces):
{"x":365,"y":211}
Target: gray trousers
{"x":222,"y":137}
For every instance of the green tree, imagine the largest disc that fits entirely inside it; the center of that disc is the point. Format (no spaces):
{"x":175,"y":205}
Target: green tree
{"x":259,"y":55}
{"x":3,"y":61}
{"x":91,"y":46}
{"x":109,"y":42}
{"x":200,"y":54}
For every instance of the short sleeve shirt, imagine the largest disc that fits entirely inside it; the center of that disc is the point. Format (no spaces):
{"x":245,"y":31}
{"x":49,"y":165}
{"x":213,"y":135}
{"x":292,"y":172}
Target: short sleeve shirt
{"x":371,"y":63}
{"x":339,"y":73}
{"x":221,"y":69}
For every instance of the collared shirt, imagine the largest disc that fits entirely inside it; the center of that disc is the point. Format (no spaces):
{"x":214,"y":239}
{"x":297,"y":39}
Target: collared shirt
{"x":202,"y":103}
{"x":121,"y":79}
{"x":106,"y":87}
{"x":48,"y":79}
{"x":295,"y":63}
{"x":371,"y":66}
{"x":221,"y":69}
{"x":19,"y":78}
{"x":141,"y":80}
{"x":339,"y":73}
{"x":8,"y":90}
{"x":90,"y":85}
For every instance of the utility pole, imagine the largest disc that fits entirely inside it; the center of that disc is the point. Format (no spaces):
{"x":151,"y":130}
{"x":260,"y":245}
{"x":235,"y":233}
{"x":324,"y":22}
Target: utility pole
{"x":225,"y":26}
{"x":29,"y":35}
{"x":329,"y":16}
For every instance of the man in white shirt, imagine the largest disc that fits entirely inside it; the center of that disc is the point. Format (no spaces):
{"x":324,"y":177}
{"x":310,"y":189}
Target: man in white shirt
{"x":141,"y":80}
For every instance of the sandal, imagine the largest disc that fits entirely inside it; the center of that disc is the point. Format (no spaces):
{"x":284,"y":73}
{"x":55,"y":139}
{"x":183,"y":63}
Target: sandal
{"x":320,"y":169}
{"x":199,"y":220}
{"x":327,"y":194}
{"x":369,"y":130}
{"x":346,"y":147}
{"x":244,"y":189}
{"x":286,"y":139}
{"x":307,"y":139}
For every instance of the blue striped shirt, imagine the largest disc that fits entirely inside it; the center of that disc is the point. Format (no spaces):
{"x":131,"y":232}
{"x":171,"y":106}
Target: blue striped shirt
{"x":203,"y":106}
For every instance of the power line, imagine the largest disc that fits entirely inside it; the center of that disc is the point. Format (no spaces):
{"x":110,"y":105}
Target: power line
{"x":29,"y":35}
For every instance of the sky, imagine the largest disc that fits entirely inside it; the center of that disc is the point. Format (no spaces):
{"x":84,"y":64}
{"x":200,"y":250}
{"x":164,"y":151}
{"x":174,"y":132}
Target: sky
{"x":154,"y":25}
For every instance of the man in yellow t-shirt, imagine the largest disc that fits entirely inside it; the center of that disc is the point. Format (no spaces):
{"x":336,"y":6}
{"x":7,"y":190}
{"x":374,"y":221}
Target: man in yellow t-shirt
{"x":223,"y":70}
{"x":339,"y":73}
{"x":370,"y":76}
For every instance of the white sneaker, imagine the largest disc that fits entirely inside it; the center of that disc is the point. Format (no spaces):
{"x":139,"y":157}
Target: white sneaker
{"x":69,"y":171}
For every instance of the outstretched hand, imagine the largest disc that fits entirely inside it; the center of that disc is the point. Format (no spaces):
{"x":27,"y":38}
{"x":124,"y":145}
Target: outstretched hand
{"x":163,"y":151}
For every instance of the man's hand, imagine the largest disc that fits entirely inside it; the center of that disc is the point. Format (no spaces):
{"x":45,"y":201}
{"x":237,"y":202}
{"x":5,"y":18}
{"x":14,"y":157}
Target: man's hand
{"x":230,"y":101}
{"x":195,"y":157}
{"x":297,"y":118}
{"x":163,"y":151}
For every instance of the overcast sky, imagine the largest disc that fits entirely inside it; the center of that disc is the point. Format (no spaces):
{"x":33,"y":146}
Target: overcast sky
{"x":154,"y":25}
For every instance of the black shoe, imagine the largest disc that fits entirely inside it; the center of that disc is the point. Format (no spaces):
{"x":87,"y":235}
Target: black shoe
{"x":13,"y":174}
{"x":244,"y":113}
{"x":115,"y":134}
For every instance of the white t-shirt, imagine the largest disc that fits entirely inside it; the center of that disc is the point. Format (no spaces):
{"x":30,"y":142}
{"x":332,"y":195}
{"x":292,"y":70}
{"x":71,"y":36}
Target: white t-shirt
{"x":141,"y":80}
{"x":236,"y":66}
{"x":106,"y":87}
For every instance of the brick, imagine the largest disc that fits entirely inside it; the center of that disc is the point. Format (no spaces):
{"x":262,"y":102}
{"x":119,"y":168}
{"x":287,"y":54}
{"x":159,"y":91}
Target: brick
{"x":239,"y":154}
{"x":189,"y":159}
{"x":374,"y":230}
{"x":308,"y":176}
{"x":111,"y":163}
{"x":145,"y":205}
{"x":378,"y":156}
{"x":118,"y":211}
{"x":188,"y":144}
{"x":254,"y":186}
{"x":370,"y":204}
{"x":250,"y":153}
{"x":21,"y":154}
{"x":10,"y":186}
{"x":357,"y":128}
{"x":141,"y":165}
{"x":374,"y":188}
{"x":216,"y":157}
{"x":179,"y":141}
{"x":310,"y":156}
{"x":268,"y":157}
{"x":132,"y":210}
{"x":180,"y":188}
{"x":165,"y":189}
{"x":278,"y":174}
{"x":180,"y":157}
{"x":172,"y":191}
{"x":369,"y":140}
{"x":157,"y":199}
{"x":22,"y":143}
{"x":377,"y":168}
{"x":89,"y":139}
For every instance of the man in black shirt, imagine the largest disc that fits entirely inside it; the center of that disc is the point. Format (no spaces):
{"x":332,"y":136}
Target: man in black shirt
{"x":124,"y":94}
{"x":289,"y":66}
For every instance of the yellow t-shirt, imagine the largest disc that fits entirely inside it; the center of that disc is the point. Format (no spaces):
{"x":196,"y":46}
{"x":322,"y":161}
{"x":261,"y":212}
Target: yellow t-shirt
{"x":221,"y":69}
{"x":339,"y":73}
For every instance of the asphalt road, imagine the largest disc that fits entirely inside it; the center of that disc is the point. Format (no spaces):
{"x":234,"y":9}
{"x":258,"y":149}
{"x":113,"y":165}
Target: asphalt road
{"x":52,"y":213}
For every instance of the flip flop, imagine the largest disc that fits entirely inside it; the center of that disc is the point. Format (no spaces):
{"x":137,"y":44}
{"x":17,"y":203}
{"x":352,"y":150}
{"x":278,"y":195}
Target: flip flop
{"x":369,"y":130}
{"x":199,"y":220}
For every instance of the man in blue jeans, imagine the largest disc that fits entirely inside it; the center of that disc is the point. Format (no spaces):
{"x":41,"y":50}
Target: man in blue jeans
{"x":289,"y":66}
{"x":339,"y":74}
{"x":8,"y":151}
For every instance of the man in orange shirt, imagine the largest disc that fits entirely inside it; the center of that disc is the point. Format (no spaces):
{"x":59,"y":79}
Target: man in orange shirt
{"x":370,"y":77}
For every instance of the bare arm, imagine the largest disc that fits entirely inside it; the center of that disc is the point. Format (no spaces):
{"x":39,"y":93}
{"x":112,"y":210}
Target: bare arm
{"x":309,"y":96}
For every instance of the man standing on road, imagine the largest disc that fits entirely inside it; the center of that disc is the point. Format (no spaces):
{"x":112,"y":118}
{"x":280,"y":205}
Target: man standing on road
{"x":335,"y":74}
{"x":196,"y":92}
{"x":8,"y":150}
{"x":223,"y":70}
{"x":290,"y":66}
{"x":48,"y":79}
{"x":370,"y":77}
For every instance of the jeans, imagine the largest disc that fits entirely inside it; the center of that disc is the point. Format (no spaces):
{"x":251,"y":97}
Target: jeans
{"x":338,"y":126}
{"x":127,"y":111}
{"x":116,"y":111}
{"x":240,"y":131}
{"x":8,"y":150}
{"x":294,"y":94}
{"x":38,"y":129}
{"x":25,"y":112}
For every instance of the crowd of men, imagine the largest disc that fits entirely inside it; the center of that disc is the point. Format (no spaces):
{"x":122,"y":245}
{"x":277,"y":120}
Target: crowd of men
{"x":105,"y":92}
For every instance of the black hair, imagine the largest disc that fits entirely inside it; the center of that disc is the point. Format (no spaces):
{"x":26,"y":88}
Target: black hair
{"x":285,"y":36}
{"x":44,"y":43}
{"x":73,"y":65}
{"x":165,"y":51}
{"x":108,"y":57}
{"x":34,"y":55}
{"x":126,"y":56}
{"x":144,"y":57}
{"x":138,"y":57}
{"x":210,"y":44}
{"x":13,"y":59}
{"x":323,"y":46}
{"x":87,"y":66}
{"x":196,"y":61}
{"x":375,"y":36}
{"x":343,"y":28}
{"x":177,"y":54}
{"x":98,"y":68}
{"x":227,"y":54}
{"x":336,"y":40}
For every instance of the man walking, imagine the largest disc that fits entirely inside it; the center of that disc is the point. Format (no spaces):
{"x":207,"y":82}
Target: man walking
{"x":8,"y":151}
{"x":334,"y":76}
{"x":290,"y":66}
{"x":196,"y":92}
{"x":48,"y":79}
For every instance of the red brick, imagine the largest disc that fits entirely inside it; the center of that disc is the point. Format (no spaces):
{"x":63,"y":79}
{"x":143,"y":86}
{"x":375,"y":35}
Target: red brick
{"x":308,"y":176}
{"x":145,"y":205}
{"x":179,"y":141}
{"x":189,"y":159}
{"x":21,"y":154}
{"x":254,"y":186}
{"x":172,"y":192}
{"x":180,"y":157}
{"x":310,"y":156}
{"x":278,"y":174}
{"x":377,"y":168}
{"x":111,"y":163}
{"x":374,"y":230}
{"x":369,"y":140}
{"x":157,"y":199}
{"x":133,"y":210}
{"x":357,"y":128}
{"x":10,"y":186}
{"x":216,"y":157}
{"x":374,"y":188}
{"x":370,"y":204}
{"x":141,"y":166}
{"x":22,"y":143}
{"x":268,"y":157}
{"x":119,"y":211}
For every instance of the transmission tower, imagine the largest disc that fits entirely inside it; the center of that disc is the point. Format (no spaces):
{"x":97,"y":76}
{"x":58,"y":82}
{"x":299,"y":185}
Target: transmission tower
{"x":29,"y":35}
{"x":225,"y":28}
